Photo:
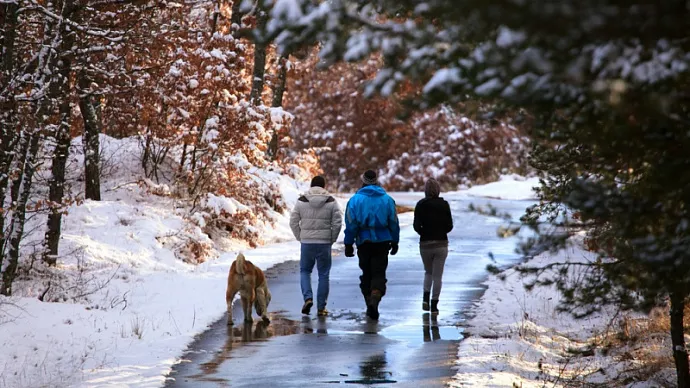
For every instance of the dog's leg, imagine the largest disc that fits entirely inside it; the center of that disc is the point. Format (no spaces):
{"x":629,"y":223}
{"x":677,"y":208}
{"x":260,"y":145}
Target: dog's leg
{"x":229,"y":297}
{"x":247,"y":333}
{"x":261,"y":304}
{"x":246,"y":307}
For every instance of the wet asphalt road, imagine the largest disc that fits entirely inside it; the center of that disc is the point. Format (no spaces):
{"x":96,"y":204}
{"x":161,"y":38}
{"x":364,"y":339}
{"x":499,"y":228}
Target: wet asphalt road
{"x":405,"y":348}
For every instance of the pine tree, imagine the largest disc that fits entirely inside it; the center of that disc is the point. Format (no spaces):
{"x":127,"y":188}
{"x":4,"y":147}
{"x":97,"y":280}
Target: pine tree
{"x":602,"y":84}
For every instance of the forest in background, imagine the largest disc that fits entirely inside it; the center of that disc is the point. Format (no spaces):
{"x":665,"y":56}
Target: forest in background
{"x":209,"y":104}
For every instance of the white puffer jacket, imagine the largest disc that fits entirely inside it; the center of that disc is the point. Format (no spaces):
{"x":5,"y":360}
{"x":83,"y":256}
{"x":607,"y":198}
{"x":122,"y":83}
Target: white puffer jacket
{"x":316,"y":218}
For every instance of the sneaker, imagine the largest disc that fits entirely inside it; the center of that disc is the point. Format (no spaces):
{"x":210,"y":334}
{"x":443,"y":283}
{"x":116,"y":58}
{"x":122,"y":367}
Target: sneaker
{"x":322,"y":313}
{"x":306,"y":307}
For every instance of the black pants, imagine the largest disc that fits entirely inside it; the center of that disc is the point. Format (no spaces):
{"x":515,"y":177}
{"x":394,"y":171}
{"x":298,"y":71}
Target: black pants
{"x":373,"y":261}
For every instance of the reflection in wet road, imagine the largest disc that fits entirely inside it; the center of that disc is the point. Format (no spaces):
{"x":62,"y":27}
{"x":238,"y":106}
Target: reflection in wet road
{"x":373,"y":371}
{"x":407,"y":347}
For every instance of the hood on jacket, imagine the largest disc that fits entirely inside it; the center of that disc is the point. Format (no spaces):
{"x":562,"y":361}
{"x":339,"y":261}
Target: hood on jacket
{"x":432,"y":189}
{"x":317,"y":196}
{"x":372,"y":191}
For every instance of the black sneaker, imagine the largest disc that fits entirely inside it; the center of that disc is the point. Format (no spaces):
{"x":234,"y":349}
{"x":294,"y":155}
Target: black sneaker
{"x":306,"y":307}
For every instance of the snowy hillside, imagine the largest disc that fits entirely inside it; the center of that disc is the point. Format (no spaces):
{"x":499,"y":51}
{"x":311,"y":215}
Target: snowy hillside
{"x":138,"y":276}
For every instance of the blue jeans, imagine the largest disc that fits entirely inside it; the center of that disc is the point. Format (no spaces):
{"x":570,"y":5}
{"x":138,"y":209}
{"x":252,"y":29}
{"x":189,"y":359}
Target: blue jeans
{"x":319,"y":254}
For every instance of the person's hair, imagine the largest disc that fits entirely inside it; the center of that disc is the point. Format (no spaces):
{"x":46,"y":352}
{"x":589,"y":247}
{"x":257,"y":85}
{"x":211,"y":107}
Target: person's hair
{"x":432,"y":189}
{"x":318,"y":181}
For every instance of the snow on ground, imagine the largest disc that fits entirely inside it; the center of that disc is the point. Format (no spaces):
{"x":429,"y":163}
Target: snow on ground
{"x":508,"y":187}
{"x":511,"y":187}
{"x":134,"y":305}
{"x":516,"y":339}
{"x":133,"y":329}
{"x":130,"y":305}
{"x":132,"y":333}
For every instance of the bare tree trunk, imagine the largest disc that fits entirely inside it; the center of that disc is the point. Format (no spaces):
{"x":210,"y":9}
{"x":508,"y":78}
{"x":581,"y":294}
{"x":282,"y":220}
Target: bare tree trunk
{"x":20,"y":158}
{"x":7,"y":154}
{"x":8,"y":108}
{"x":89,"y":107}
{"x":278,"y":92}
{"x":147,"y":153}
{"x":19,"y":215}
{"x":236,"y":17}
{"x":281,"y":83}
{"x":26,"y":166}
{"x":680,"y":353}
{"x":60,"y":92}
{"x":9,"y":27}
{"x":183,"y":158}
{"x":57,"y":190}
{"x":214,"y":19}
{"x":259,"y":56}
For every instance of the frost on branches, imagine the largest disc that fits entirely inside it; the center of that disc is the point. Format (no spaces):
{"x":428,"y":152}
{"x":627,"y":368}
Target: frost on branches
{"x":456,"y":150}
{"x":171,"y":77}
{"x":196,"y":123}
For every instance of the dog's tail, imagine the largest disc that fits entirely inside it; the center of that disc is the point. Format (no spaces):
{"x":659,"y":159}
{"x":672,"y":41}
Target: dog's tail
{"x":239,"y":264}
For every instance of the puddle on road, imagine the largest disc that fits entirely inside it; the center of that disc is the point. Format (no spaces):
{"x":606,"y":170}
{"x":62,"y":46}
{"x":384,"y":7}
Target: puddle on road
{"x":416,"y":335}
{"x":374,"y":370}
{"x":241,"y":335}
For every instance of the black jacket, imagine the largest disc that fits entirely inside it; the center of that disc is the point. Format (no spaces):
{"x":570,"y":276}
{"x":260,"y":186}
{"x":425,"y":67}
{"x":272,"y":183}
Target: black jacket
{"x":432,"y":219}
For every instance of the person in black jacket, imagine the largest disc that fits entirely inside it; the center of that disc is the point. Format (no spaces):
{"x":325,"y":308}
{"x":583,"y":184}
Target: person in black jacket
{"x":433,"y":222}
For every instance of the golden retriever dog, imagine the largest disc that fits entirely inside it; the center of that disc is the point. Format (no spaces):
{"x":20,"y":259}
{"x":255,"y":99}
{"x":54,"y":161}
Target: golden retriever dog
{"x":250,"y":282}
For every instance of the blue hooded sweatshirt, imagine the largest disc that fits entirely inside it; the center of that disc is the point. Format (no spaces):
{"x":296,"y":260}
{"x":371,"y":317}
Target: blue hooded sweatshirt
{"x":370,"y":216}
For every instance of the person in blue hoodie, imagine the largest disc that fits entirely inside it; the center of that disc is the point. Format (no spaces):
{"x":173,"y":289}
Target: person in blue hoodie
{"x":371,"y":222}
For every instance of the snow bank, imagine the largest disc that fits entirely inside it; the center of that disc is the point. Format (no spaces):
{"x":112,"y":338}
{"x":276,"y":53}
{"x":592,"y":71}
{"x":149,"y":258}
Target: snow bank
{"x":510,"y":187}
{"x":516,"y":339}
{"x":131,"y":332}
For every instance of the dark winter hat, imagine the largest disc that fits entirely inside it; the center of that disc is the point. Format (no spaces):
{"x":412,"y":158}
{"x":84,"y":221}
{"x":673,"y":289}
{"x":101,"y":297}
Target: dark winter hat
{"x":318,"y":181}
{"x":369,"y":178}
{"x":432,"y":189}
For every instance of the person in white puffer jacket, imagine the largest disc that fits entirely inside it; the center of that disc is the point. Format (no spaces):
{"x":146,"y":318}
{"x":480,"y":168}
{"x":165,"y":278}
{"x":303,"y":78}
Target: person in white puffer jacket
{"x":316,"y":221}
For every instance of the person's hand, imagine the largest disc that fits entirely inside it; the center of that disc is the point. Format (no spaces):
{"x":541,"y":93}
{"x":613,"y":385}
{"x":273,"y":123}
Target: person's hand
{"x":394,"y":248}
{"x":349,"y":251}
